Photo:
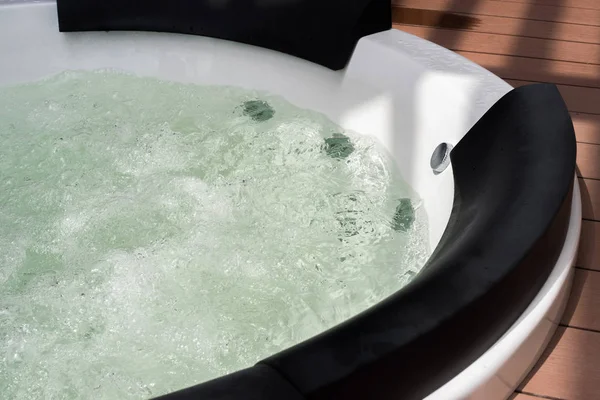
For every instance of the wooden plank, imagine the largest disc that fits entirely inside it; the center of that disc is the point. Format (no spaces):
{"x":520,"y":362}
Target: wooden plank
{"x":501,"y":8}
{"x":590,"y":199}
{"x":569,"y":368}
{"x":588,"y":160}
{"x":587,"y":127}
{"x":497,"y":25}
{"x":523,"y":396}
{"x":507,"y":45}
{"x":591,"y":4}
{"x":578,"y":99}
{"x":533,"y":69}
{"x":589,"y":246}
{"x":583,"y":308}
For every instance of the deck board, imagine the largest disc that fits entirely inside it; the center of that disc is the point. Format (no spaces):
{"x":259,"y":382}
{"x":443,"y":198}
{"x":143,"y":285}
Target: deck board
{"x":590,"y":199}
{"x":591,"y":4}
{"x":570,"y":368}
{"x":496,"y":25}
{"x":589,"y":246}
{"x":523,"y":396}
{"x":584,"y":302}
{"x":588,"y":160}
{"x":499,"y":8}
{"x":507,"y":45}
{"x":578,"y":99}
{"x":587,"y":127}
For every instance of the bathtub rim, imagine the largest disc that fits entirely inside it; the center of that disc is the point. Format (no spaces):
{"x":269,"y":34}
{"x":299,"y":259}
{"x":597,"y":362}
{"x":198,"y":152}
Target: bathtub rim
{"x":565,"y":283}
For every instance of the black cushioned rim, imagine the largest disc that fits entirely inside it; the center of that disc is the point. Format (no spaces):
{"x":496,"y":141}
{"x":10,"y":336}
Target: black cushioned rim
{"x":321,"y":31}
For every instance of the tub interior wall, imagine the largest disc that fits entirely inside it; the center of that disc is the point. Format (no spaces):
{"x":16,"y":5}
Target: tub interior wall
{"x":391,"y":89}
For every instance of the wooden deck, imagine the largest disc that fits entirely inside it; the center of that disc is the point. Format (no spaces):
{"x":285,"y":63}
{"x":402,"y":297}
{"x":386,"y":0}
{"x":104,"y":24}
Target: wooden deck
{"x":555,"y":41}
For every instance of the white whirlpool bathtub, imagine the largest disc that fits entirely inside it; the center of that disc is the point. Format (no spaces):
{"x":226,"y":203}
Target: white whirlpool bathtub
{"x":412,"y":96}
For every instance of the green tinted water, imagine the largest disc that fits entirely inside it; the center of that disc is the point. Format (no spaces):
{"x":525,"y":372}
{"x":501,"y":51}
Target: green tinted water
{"x":154,"y":235}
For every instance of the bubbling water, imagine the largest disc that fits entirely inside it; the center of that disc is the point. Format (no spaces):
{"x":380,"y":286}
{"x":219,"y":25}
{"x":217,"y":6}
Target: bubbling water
{"x":154,"y":235}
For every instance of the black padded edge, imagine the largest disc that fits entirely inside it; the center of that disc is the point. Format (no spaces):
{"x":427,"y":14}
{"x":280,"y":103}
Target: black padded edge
{"x":321,"y":31}
{"x":513,"y":175}
{"x":256,"y":383}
